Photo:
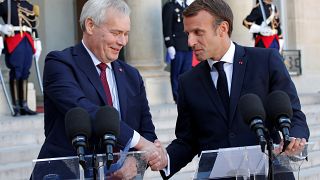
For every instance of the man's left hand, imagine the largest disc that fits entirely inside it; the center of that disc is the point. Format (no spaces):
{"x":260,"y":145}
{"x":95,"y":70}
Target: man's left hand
{"x":296,"y":146}
{"x":127,"y":171}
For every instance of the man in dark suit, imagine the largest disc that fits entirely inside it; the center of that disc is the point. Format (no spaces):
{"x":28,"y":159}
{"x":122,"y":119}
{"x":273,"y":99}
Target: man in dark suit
{"x":208,"y":118}
{"x":176,"y":41}
{"x":71,"y":79}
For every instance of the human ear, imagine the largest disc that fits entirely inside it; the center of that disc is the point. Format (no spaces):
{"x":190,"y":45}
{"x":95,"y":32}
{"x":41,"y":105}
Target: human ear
{"x":223,"y":28}
{"x":89,"y":25}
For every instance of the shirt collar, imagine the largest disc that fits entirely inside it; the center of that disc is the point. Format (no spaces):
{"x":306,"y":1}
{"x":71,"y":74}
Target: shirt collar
{"x":179,"y":2}
{"x":227,"y":57}
{"x":94,"y":58}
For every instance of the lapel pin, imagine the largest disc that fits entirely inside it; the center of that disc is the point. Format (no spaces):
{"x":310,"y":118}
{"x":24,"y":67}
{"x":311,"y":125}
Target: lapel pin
{"x":240,"y":62}
{"x":120,"y":69}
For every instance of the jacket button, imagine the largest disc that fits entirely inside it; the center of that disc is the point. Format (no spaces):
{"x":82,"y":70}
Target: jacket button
{"x":232,"y":135}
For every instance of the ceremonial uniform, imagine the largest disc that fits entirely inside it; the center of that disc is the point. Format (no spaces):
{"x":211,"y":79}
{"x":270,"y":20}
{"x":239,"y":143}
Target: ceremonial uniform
{"x":21,"y":20}
{"x":176,"y":40}
{"x":266,"y":34}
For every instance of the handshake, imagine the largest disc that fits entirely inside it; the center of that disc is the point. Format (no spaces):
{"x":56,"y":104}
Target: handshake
{"x":155,"y":152}
{"x":156,"y":156}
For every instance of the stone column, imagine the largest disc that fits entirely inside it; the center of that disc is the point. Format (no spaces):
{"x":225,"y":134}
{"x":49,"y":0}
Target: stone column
{"x":145,"y":49}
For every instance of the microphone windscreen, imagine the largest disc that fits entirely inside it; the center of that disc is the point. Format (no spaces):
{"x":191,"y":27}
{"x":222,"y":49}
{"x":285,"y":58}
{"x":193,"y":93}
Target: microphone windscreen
{"x":278,"y":104}
{"x":107,"y":121}
{"x":77,"y":122}
{"x":251,"y":107}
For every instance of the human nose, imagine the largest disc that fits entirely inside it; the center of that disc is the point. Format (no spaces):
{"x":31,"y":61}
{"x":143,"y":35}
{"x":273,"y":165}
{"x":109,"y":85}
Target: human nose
{"x":191,"y":40}
{"x":123,"y":39}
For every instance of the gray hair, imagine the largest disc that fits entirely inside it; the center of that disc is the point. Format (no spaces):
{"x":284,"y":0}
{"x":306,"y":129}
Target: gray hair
{"x":96,"y":9}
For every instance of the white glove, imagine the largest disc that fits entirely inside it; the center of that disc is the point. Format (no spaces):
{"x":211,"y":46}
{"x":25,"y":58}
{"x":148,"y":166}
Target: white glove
{"x":257,"y":28}
{"x":281,"y":44}
{"x":266,"y":31}
{"x":38,"y":47}
{"x":7,"y":29}
{"x":1,"y":44}
{"x":172,"y":52}
{"x":254,"y":28}
{"x":263,"y":29}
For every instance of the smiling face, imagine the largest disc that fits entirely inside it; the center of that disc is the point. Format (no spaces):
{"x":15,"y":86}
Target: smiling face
{"x":207,"y":39}
{"x":107,"y":39}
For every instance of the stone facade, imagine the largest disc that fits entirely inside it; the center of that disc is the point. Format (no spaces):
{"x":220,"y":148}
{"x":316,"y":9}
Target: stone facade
{"x":145,"y":48}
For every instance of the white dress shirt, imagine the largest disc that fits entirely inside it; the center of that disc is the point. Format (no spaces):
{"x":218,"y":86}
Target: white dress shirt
{"x":228,"y":66}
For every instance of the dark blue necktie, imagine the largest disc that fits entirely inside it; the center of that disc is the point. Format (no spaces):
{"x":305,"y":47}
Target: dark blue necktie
{"x":222,"y":85}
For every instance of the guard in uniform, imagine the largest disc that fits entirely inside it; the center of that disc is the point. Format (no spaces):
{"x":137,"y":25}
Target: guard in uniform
{"x":176,"y":41}
{"x":20,"y":42}
{"x":266,"y":33}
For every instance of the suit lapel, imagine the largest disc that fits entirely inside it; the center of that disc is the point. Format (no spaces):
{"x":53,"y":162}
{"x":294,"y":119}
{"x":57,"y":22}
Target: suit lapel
{"x":119,"y":74}
{"x":207,"y":82}
{"x":239,"y":66}
{"x":84,"y":62}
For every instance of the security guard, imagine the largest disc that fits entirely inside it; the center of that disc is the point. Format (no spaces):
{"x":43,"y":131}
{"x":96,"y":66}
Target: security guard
{"x":176,"y":41}
{"x":266,"y":33}
{"x":20,"y":44}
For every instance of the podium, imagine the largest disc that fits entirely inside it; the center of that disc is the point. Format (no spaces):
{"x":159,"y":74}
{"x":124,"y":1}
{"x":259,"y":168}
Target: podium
{"x":246,"y":162}
{"x":68,"y":167}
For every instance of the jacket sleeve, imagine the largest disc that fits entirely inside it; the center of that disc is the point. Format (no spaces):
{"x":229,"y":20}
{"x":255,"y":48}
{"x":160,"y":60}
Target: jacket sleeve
{"x":147,"y":129}
{"x":167,"y":20}
{"x":281,"y":80}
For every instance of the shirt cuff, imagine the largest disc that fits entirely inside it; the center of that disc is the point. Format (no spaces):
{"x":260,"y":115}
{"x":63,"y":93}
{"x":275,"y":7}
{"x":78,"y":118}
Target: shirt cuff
{"x":135,"y":139}
{"x":166,"y":170}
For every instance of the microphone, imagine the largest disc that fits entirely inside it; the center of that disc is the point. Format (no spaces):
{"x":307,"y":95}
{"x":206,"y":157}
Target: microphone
{"x":279,"y":111}
{"x":252,"y":111}
{"x":78,"y":130}
{"x":107,"y":126}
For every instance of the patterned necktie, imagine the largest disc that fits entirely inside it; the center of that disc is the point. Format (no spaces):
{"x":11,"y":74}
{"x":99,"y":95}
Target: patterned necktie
{"x":222,"y":85}
{"x":104,"y":80}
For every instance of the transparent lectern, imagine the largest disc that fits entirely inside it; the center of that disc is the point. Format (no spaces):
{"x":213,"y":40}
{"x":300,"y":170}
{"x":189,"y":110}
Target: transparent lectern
{"x":246,"y":162}
{"x":68,"y":167}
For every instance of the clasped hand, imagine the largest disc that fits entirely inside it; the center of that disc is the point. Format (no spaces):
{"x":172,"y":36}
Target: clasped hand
{"x":158,"y":160}
{"x":127,"y":171}
{"x":155,"y":153}
{"x":295,"y":147}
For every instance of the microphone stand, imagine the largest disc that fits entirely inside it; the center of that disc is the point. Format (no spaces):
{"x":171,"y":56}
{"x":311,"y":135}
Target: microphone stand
{"x":94,"y":156}
{"x":271,"y":156}
{"x":98,"y":167}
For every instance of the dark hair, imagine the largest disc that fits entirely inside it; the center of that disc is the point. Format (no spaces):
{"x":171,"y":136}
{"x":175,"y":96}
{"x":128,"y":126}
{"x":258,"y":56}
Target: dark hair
{"x":217,"y":8}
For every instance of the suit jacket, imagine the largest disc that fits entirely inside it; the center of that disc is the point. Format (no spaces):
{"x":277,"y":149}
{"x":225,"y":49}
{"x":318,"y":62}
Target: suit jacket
{"x":71,"y":80}
{"x":202,"y":123}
